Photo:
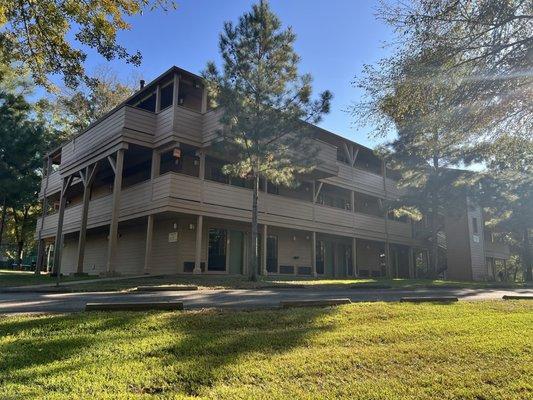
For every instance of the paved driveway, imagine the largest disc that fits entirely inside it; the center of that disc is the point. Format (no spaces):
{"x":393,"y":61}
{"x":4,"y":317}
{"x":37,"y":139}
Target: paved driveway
{"x":264,"y":298}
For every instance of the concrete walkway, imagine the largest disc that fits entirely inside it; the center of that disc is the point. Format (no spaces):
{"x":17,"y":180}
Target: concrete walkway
{"x":65,"y":284}
{"x":240,"y":299}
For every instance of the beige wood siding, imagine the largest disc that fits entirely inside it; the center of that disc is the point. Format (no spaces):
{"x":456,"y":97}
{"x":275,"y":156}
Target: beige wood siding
{"x":188,"y":125}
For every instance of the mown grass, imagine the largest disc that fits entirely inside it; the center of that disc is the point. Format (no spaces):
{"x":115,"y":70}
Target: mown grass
{"x":10,"y":278}
{"x":478,"y":350}
{"x":241,"y":282}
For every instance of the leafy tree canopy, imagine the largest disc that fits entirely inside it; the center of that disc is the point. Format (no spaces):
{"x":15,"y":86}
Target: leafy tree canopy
{"x":35,"y":34}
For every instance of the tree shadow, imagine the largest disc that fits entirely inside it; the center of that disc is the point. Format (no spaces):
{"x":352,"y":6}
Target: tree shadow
{"x":210,"y":342}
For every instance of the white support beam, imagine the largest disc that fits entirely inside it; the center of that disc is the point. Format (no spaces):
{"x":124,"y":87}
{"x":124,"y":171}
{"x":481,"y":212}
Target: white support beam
{"x":113,"y":164}
{"x":354,"y":257}
{"x":315,"y":196}
{"x":264,"y":250}
{"x":175,"y":89}
{"x":158,"y":99}
{"x":59,"y":233}
{"x":148,"y":244}
{"x":198,"y":245}
{"x":115,"y":209}
{"x":313,"y":255}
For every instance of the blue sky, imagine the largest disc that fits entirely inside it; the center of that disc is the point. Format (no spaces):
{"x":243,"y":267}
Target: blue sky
{"x":334,"y":39}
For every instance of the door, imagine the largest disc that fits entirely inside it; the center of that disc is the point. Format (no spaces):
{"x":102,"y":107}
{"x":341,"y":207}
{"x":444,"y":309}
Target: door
{"x":345,"y":260}
{"x":272,"y":254}
{"x":217,"y":250}
{"x":320,"y":250}
{"x":329,"y":258}
{"x":236,"y":252}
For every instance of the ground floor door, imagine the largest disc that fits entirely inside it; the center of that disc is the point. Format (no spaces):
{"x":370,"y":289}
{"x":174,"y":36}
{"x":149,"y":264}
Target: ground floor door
{"x":400,"y":261}
{"x":272,"y":254}
{"x":216,"y":261}
{"x":236,"y":252}
{"x":344,"y":253}
{"x":325,"y":257}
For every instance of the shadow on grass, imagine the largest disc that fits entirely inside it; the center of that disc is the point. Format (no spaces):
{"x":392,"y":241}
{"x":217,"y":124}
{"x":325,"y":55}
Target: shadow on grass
{"x":199,"y":353}
{"x":211,"y":344}
{"x":44,"y":340}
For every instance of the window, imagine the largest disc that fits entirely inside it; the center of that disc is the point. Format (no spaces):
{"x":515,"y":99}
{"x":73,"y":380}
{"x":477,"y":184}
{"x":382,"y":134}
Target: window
{"x":148,"y":103}
{"x":187,"y":163}
{"x":341,"y":155}
{"x":213,"y":170}
{"x":474,"y":226}
{"x":166,"y":96}
{"x":217,"y":250}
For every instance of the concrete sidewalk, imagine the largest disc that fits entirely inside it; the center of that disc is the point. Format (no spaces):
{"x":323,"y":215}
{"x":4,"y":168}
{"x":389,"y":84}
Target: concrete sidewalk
{"x":236,"y":298}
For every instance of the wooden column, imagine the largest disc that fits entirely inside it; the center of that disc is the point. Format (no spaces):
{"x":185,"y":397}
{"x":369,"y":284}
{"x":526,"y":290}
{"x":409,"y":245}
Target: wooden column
{"x":201,"y":167}
{"x":87,"y":178}
{"x":411,"y":263}
{"x":204,"y":101}
{"x":264,"y":250}
{"x":40,"y":242}
{"x":354,"y":257}
{"x":117,"y":165}
{"x":313,"y":254}
{"x":148,"y":245}
{"x":156,"y":164}
{"x":175,"y":89}
{"x":59,"y":233}
{"x":198,"y":246}
{"x":352,"y":200}
{"x":158,"y":99}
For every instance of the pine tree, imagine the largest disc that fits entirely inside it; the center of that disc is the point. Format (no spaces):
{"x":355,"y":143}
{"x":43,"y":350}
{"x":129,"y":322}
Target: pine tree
{"x":266,"y":105}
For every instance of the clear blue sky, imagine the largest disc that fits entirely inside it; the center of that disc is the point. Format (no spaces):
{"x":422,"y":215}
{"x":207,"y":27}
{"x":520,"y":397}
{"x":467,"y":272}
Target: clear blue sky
{"x":334,"y":39}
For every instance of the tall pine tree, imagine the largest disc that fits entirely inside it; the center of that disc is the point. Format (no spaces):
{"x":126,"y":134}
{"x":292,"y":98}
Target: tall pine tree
{"x":266,"y":104}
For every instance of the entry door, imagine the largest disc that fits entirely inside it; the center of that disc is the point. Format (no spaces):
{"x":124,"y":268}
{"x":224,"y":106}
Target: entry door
{"x":272,"y":254}
{"x":236,"y":251}
{"x":345,"y":260}
{"x":217,"y":250}
{"x":329,"y":258}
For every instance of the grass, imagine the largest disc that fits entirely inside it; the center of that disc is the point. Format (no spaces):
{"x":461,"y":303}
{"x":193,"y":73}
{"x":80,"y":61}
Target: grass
{"x":240,"y":282}
{"x":478,"y":350}
{"x":10,"y":278}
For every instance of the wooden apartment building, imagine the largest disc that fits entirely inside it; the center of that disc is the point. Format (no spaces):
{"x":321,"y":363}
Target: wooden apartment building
{"x":140,"y":192}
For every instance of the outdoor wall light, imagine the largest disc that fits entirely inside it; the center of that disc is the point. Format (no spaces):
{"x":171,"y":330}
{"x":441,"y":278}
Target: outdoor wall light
{"x":191,"y":227}
{"x":294,"y":238}
{"x":175,"y":225}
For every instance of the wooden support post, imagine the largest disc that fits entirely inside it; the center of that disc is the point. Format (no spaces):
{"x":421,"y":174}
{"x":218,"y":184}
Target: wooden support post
{"x":204,"y":100}
{"x":313,"y":255}
{"x":40,"y":242}
{"x":156,"y":164}
{"x":352,"y":200}
{"x":411,"y":263}
{"x":148,"y":244}
{"x":198,"y":245}
{"x":354,"y":257}
{"x":115,"y":210}
{"x":158,"y":99}
{"x":264,"y":250}
{"x":59,"y":233}
{"x":175,"y":89}
{"x":201,"y":167}
{"x":87,"y":178}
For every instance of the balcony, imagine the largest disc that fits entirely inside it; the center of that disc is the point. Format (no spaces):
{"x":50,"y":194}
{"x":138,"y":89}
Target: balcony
{"x":126,"y":121}
{"x":54,"y":184}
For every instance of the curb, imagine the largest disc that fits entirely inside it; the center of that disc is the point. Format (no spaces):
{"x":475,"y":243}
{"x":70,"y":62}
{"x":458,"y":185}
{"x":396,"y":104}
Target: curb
{"x":439,"y":299}
{"x":313,"y":303}
{"x":517,"y":297}
{"x":137,"y":306}
{"x":165,"y":288}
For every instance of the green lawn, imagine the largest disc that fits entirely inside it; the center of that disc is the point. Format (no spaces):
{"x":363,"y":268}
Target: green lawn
{"x":236,"y":282}
{"x":10,"y":278}
{"x":478,"y":350}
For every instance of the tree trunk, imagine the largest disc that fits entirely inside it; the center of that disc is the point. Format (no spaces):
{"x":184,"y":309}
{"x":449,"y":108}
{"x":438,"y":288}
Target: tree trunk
{"x":20,"y":246}
{"x":3,"y":220}
{"x":528,"y":267}
{"x":254,"y":256}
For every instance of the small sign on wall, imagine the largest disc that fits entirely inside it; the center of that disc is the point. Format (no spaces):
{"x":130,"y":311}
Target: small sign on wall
{"x":172,"y":237}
